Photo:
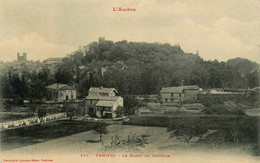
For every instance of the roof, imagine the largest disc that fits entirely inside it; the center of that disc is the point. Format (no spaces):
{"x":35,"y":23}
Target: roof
{"x":106,"y":98}
{"x":191,"y":87}
{"x":172,"y":90}
{"x":178,"y":89}
{"x":111,"y":98}
{"x":102,"y":90}
{"x":93,"y":97}
{"x":106,"y":103}
{"x":58,"y":86}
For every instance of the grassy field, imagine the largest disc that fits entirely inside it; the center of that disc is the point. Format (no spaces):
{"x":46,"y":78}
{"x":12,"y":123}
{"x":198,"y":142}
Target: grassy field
{"x":213,"y":122}
{"x":73,"y":146}
{"x":18,"y":137}
{"x":63,"y":137}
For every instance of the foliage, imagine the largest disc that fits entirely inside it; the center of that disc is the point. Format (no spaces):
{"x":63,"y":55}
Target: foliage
{"x":100,"y":129}
{"x":133,"y":68}
{"x":219,"y":109}
{"x":33,"y":108}
{"x":41,"y":113}
{"x":130,"y":105}
{"x":119,"y":112}
{"x":71,"y":110}
{"x":243,"y":131}
{"x":132,"y":142}
{"x":186,"y":130}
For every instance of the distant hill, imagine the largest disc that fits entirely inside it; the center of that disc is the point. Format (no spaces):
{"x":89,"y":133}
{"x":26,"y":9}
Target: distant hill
{"x":243,"y":65}
{"x":144,"y":68}
{"x":134,"y":68}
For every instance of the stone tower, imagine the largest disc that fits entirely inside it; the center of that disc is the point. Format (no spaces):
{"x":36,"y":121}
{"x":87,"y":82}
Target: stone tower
{"x":22,"y":58}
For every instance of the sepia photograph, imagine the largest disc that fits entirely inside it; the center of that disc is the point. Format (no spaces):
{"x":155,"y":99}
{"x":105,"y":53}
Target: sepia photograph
{"x":129,"y":81}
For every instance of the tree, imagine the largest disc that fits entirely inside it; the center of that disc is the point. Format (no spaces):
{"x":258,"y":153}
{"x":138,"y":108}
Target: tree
{"x":41,"y":113}
{"x":71,"y":110}
{"x":130,"y":104}
{"x":253,"y":79}
{"x":242,"y":131}
{"x":186,"y":130}
{"x":64,"y":75}
{"x":132,"y":142}
{"x":100,"y":129}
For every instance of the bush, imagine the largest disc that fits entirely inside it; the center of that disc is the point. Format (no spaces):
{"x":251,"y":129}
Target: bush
{"x":186,"y":130}
{"x":100,"y":129}
{"x":119,"y":112}
{"x":219,"y":109}
{"x":132,"y":142}
{"x":33,"y":108}
{"x":243,"y":131}
{"x":71,"y":110}
{"x":130,"y":104}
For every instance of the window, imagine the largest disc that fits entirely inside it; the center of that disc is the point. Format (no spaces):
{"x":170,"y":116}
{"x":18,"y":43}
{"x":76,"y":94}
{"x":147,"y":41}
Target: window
{"x":107,"y":109}
{"x":172,"y":94}
{"x":166,"y":100}
{"x":90,"y":101}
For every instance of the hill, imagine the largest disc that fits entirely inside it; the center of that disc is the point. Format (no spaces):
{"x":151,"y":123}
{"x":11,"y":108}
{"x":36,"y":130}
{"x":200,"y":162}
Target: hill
{"x":144,"y":68}
{"x":136,"y":68}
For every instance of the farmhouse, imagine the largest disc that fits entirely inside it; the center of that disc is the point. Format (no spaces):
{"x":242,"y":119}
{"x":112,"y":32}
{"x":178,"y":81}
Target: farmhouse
{"x":102,"y":91}
{"x":179,"y":94}
{"x":60,"y":92}
{"x":103,"y":102}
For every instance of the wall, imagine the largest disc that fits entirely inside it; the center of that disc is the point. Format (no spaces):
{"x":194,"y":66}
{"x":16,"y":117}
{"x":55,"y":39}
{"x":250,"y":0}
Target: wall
{"x":31,"y":121}
{"x":63,"y":93}
{"x":172,"y":99}
{"x":112,"y":93}
{"x":191,"y":95}
{"x":118,"y":103}
{"x":89,"y":105}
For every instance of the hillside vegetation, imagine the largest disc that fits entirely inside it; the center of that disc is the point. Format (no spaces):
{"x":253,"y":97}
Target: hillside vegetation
{"x":132,"y":68}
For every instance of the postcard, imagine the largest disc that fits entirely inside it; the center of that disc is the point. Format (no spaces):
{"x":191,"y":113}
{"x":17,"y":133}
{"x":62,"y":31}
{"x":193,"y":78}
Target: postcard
{"x":129,"y":81}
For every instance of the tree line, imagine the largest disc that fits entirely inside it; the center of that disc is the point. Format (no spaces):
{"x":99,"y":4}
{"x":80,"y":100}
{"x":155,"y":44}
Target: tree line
{"x":133,"y":68}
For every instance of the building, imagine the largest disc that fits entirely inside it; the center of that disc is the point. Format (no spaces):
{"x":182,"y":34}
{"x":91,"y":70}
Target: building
{"x":101,"y":39}
{"x":22,"y":58}
{"x":102,"y":91}
{"x":103,"y":102}
{"x":179,"y":94}
{"x":52,"y":60}
{"x":61,"y":92}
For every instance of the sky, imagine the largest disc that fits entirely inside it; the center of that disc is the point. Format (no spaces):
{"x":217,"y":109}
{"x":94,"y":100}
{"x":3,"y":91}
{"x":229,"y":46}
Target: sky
{"x":218,"y":29}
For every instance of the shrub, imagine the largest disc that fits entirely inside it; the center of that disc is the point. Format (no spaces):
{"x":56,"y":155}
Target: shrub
{"x":130,"y":104}
{"x":100,"y":129}
{"x":186,"y":130}
{"x":243,"y":131}
{"x":132,"y":142}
